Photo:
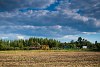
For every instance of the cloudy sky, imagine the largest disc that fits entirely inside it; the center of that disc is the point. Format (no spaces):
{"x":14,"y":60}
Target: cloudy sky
{"x":59,"y":19}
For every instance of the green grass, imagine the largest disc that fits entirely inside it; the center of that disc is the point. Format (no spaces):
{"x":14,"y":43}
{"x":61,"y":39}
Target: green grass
{"x":65,"y":50}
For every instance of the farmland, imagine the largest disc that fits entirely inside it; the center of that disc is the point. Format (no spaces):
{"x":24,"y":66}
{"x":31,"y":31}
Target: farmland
{"x":42,"y":58}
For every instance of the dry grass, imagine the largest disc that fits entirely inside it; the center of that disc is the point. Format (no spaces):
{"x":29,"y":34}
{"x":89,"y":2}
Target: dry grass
{"x":49,"y":59}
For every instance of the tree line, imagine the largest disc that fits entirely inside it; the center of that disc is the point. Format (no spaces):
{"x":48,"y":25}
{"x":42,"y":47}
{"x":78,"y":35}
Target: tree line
{"x":52,"y":43}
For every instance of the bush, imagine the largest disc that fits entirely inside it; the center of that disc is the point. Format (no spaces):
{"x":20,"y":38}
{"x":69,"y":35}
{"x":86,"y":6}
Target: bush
{"x":26,"y":48}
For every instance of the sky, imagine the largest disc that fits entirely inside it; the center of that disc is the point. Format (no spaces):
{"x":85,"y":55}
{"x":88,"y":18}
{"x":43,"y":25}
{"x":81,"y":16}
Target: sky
{"x":63,"y":20}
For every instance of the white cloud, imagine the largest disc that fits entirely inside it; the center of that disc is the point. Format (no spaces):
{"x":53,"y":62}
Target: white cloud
{"x":40,"y":3}
{"x":17,"y":4}
{"x":45,"y":17}
{"x":97,"y":23}
{"x":20,"y":37}
{"x":4,"y":37}
{"x":71,"y":37}
{"x":13,"y":36}
{"x":62,"y":22}
{"x":68,"y":38}
{"x":83,"y":18}
{"x":88,"y":33}
{"x":70,"y":14}
{"x":47,"y":31}
{"x":55,"y":27}
{"x":31,"y":27}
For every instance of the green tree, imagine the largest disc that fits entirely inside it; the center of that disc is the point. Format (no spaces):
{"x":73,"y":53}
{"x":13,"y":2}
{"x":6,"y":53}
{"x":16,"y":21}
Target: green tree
{"x":79,"y":42}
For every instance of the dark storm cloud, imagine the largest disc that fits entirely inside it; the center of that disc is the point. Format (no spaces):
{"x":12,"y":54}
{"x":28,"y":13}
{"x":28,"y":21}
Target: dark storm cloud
{"x":89,"y":8}
{"x":46,"y":18}
{"x":9,"y":5}
{"x":49,"y":19}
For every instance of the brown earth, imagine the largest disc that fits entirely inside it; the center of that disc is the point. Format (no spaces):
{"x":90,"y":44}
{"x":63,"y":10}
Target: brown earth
{"x":49,"y":59}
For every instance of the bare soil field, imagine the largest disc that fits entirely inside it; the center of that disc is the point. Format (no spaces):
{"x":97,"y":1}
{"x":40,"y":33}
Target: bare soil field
{"x":49,"y":59}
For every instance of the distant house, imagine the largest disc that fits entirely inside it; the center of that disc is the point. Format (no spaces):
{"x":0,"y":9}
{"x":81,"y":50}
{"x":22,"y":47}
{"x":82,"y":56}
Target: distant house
{"x":85,"y":47}
{"x":45,"y":47}
{"x":34,"y":48}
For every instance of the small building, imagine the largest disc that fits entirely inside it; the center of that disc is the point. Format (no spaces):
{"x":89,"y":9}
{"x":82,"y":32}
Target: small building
{"x":45,"y":47}
{"x":34,"y":48}
{"x":84,"y":47}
